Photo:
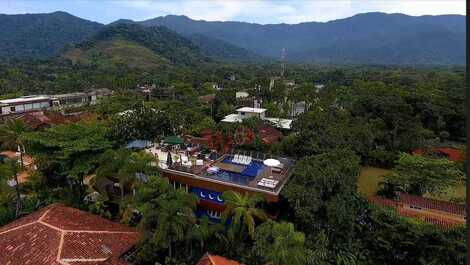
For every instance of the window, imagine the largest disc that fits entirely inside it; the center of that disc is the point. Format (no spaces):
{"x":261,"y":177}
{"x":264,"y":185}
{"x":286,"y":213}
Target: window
{"x":213,"y":214}
{"x":415,"y":207}
{"x":12,"y":109}
{"x":242,"y":113}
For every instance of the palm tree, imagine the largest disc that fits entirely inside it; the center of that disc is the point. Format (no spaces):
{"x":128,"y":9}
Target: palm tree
{"x":201,"y":232}
{"x":122,"y":165}
{"x":175,"y":218}
{"x":280,"y":244}
{"x":243,"y":210}
{"x":168,"y":214}
{"x":11,"y":131}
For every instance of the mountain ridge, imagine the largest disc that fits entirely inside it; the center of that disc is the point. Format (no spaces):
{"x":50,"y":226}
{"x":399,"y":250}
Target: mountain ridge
{"x":365,"y":38}
{"x":306,"y":40}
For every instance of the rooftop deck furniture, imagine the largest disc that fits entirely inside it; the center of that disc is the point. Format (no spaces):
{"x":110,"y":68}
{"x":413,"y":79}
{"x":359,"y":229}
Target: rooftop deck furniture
{"x":269,"y":183}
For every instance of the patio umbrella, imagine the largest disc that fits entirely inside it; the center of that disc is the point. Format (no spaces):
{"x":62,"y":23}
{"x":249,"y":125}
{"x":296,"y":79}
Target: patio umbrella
{"x":173,"y":140}
{"x":169,"y":160}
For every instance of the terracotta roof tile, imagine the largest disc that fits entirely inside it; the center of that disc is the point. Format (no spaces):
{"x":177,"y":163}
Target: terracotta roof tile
{"x":443,"y":221}
{"x":59,"y":235}
{"x":209,"y":259}
{"x":454,"y":208}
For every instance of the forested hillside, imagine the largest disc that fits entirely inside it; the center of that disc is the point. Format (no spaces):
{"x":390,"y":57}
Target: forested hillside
{"x":369,"y":38}
{"x":137,"y":46}
{"x":42,"y":35}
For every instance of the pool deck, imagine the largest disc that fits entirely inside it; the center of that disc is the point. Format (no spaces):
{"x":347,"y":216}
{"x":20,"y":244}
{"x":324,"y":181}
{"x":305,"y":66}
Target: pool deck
{"x":200,"y":171}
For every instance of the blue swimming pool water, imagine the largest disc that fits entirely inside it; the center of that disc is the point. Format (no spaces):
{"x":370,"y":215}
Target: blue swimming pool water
{"x":231,"y":177}
{"x":243,"y":178}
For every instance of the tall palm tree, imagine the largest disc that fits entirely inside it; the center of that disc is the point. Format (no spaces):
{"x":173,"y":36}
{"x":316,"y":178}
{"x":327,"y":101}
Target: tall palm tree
{"x":11,"y":131}
{"x":122,"y":165}
{"x":175,"y":218}
{"x":201,"y":232}
{"x":280,"y":244}
{"x":243,"y":210}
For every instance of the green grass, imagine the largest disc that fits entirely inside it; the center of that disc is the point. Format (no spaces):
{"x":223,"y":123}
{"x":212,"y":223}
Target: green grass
{"x":455,"y":193}
{"x":369,"y":179}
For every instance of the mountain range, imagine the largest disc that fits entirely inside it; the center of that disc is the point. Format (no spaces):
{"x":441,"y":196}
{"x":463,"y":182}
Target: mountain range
{"x":368,"y":38}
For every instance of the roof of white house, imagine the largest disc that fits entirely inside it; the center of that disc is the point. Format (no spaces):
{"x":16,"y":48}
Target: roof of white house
{"x":252,"y":110}
{"x":75,"y":94}
{"x":241,"y":94}
{"x":23,"y":99}
{"x":280,"y":123}
{"x":232,"y":118}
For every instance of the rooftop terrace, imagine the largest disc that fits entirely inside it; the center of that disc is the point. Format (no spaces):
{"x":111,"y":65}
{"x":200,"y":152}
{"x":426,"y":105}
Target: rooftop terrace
{"x":245,"y":170}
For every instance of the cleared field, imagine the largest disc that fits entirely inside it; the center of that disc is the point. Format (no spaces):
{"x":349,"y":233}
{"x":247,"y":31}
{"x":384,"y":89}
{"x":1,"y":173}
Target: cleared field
{"x":369,"y":179}
{"x":455,"y":193}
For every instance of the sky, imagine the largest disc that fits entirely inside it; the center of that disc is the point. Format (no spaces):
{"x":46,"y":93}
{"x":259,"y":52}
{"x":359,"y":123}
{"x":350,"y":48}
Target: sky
{"x":254,"y":11}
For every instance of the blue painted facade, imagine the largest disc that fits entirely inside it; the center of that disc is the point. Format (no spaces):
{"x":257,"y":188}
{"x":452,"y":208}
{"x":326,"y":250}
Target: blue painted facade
{"x":208,"y":195}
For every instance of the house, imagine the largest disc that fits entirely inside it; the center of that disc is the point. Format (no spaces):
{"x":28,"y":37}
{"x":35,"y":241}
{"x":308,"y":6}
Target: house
{"x":34,"y":103}
{"x":451,"y":153}
{"x":24,"y":104}
{"x":216,"y":140}
{"x":79,"y":99}
{"x":209,"y":259}
{"x":241,"y":94}
{"x":167,"y":92}
{"x":60,"y":235}
{"x":247,"y":112}
{"x":76,"y":99}
{"x":207,"y":174}
{"x":45,"y":119}
{"x":441,"y":213}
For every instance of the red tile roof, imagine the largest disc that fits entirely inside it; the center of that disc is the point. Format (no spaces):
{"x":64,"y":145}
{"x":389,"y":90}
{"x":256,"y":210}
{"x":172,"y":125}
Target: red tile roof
{"x":445,"y":220}
{"x":453,"y":154}
{"x":43,"y":119}
{"x":209,"y":259}
{"x":60,"y":235}
{"x":432,"y":204}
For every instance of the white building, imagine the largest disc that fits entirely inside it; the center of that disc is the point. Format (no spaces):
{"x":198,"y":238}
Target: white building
{"x":43,"y":102}
{"x":246,"y":112}
{"x":24,"y":104}
{"x":241,"y":94}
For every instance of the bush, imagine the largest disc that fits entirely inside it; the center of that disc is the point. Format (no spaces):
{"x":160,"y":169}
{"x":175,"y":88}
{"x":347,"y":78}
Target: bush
{"x":381,"y":158}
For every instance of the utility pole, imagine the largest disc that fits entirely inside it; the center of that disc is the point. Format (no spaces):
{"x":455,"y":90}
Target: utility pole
{"x":21,"y":156}
{"x":15,"y":183}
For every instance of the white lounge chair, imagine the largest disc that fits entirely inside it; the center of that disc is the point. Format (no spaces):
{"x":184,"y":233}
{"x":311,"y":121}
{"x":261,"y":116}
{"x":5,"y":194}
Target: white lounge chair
{"x":235,"y":159}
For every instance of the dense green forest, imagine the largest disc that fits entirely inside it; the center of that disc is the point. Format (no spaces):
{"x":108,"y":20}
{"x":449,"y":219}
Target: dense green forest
{"x":362,"y":115}
{"x":368,"y":38}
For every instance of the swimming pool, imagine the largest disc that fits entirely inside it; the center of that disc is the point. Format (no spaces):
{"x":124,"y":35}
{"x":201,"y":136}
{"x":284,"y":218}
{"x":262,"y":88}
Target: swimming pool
{"x":248,"y":174}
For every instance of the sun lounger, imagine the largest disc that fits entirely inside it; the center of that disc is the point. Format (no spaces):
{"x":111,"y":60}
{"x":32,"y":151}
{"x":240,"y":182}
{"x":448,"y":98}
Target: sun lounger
{"x":269,"y":183}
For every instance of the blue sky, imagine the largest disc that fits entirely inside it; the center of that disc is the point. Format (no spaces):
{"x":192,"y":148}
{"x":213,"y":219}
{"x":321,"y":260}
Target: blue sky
{"x":256,"y":11}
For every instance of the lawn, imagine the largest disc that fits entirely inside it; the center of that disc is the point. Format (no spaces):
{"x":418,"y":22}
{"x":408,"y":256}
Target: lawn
{"x":455,"y":193}
{"x":369,"y":179}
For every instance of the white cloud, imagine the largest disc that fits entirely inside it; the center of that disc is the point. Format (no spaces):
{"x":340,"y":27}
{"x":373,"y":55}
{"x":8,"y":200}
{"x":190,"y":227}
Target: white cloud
{"x":276,"y":11}
{"x":258,"y":11}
